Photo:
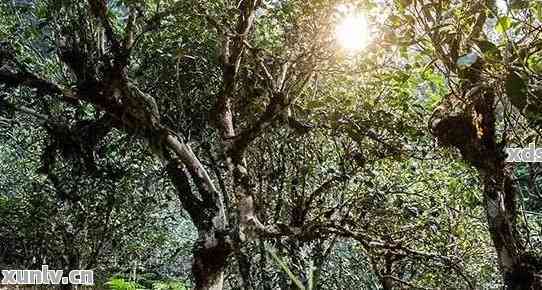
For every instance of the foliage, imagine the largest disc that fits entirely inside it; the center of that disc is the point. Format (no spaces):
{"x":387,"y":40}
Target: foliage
{"x":121,"y":284}
{"x":169,"y":285}
{"x":140,"y":138}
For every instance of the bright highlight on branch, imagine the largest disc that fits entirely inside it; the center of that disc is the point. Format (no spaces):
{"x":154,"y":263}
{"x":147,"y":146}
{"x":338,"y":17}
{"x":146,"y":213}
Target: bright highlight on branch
{"x":352,"y":33}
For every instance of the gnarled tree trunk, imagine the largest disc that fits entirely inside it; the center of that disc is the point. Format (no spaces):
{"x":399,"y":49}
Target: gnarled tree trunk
{"x":472,"y":131}
{"x":519,"y":269}
{"x":213,"y":246}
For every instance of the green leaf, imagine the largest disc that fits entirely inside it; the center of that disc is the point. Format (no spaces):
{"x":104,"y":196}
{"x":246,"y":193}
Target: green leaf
{"x":519,"y":4}
{"x":121,"y":284}
{"x":537,"y":9}
{"x":405,"y":3}
{"x":534,"y":62}
{"x":503,"y":24}
{"x":488,"y":49}
{"x":395,"y":20}
{"x":402,"y":4}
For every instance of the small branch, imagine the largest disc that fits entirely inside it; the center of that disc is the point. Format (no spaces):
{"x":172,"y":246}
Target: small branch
{"x":99,"y":10}
{"x":25,"y":110}
{"x":29,"y":111}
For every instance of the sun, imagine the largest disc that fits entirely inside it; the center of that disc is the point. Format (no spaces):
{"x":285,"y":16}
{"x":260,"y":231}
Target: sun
{"x":352,"y":32}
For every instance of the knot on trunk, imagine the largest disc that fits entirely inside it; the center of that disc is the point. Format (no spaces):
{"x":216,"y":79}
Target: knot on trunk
{"x":454,"y":131}
{"x":467,"y":124}
{"x":460,"y":132}
{"x":210,"y":257}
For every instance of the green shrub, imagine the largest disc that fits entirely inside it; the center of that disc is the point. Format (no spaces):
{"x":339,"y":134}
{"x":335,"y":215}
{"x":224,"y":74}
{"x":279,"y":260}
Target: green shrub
{"x":121,"y":284}
{"x":169,"y":285}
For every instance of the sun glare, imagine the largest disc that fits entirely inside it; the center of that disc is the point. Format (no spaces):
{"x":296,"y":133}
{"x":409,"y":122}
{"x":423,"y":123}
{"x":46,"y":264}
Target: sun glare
{"x":352,"y":32}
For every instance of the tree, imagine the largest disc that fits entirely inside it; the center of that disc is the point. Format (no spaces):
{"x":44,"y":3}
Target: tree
{"x":281,"y":148}
{"x":469,"y":118}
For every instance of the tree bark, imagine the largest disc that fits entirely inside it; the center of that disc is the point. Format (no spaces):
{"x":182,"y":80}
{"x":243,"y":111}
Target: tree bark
{"x":210,"y":255}
{"x":519,"y":269}
{"x":473,"y":133}
{"x":213,"y":246}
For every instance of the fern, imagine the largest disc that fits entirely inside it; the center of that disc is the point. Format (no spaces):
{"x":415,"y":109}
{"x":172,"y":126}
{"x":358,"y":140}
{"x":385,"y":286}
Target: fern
{"x":121,"y":284}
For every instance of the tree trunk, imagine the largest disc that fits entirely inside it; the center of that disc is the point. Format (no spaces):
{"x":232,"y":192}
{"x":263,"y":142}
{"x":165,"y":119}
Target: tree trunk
{"x":474,"y":133}
{"x":519,"y":269}
{"x":210,"y":255}
{"x":207,"y":212}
